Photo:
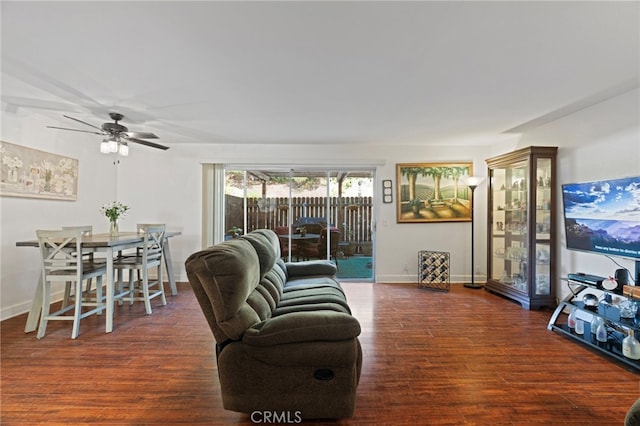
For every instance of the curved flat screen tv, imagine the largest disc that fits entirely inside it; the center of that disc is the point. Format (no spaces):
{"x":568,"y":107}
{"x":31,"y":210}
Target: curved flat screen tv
{"x":603,"y":216}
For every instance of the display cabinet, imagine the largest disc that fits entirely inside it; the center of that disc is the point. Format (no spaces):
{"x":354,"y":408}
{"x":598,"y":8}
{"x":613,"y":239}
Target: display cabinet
{"x":521,"y":228}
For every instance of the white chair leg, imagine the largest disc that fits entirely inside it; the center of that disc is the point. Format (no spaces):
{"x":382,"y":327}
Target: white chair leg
{"x":77,"y":312}
{"x":120,"y":286}
{"x":161,"y":286}
{"x":132,"y":287}
{"x":145,"y":290}
{"x":99,"y":294}
{"x":67,"y":295}
{"x":89,"y":285}
{"x":46,"y":300}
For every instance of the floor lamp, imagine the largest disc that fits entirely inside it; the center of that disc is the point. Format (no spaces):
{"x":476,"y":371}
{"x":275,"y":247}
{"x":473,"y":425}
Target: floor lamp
{"x":472,"y":183}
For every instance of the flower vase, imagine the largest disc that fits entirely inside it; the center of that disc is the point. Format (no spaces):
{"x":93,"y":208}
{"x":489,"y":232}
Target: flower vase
{"x":113,"y":230}
{"x":12,"y":176}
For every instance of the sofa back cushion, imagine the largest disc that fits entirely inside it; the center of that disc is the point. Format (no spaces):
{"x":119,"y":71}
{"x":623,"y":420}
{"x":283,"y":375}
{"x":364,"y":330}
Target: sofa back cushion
{"x":224,"y":278}
{"x":267,"y":252}
{"x":272,"y":275}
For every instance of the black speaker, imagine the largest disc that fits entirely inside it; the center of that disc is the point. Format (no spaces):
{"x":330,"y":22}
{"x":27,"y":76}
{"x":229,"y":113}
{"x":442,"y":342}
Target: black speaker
{"x":622,"y":276}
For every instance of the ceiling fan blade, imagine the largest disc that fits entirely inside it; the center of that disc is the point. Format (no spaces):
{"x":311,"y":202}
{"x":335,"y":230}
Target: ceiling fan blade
{"x":147,"y":143}
{"x":83,"y":122}
{"x":75,"y":130}
{"x":141,"y":135}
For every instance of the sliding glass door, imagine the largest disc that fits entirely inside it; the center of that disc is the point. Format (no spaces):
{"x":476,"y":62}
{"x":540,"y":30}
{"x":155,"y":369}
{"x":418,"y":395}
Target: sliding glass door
{"x":318,"y":214}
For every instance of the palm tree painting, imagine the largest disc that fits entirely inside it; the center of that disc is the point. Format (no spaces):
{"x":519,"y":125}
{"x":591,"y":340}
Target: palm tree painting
{"x":433,"y":192}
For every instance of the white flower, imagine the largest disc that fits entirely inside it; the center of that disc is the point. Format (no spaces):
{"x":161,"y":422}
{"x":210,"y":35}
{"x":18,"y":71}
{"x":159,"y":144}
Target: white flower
{"x":12,"y":163}
{"x":114,"y":210}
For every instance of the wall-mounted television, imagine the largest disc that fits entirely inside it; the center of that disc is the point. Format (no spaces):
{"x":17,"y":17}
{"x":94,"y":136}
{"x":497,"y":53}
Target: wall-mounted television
{"x":603,"y":216}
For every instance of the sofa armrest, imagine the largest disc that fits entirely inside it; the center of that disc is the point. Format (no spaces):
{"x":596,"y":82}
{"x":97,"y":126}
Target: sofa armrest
{"x":311,"y":267}
{"x":308,"y":326}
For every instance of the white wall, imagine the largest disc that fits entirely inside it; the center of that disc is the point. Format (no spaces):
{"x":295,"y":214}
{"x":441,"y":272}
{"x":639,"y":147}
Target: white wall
{"x":600,"y":142}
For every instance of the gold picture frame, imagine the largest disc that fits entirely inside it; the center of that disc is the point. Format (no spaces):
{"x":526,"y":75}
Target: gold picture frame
{"x":30,"y":173}
{"x":433,"y":192}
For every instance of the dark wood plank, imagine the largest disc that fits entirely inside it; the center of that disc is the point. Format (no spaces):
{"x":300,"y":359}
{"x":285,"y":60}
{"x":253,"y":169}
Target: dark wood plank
{"x":463,"y":357}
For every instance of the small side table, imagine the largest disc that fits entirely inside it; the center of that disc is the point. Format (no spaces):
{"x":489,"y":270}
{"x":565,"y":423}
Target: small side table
{"x":433,"y":270}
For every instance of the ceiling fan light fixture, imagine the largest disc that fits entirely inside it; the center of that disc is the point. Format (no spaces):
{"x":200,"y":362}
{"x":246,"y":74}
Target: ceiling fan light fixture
{"x":113,"y":145}
{"x":116,"y":135}
{"x":123,"y":149}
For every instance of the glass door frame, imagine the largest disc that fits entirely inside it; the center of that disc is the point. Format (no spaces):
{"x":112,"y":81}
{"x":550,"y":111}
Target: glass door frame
{"x":331,"y":173}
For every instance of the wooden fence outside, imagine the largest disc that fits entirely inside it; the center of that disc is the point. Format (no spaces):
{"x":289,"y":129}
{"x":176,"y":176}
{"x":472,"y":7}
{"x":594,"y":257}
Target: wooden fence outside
{"x":351,"y":215}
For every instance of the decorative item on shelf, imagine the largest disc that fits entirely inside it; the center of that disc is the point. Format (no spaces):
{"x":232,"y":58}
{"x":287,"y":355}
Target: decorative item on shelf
{"x":609,"y":284}
{"x":628,"y":309}
{"x":607,"y":310}
{"x":631,"y":346}
{"x":114,"y":211}
{"x":590,"y":301}
{"x":601,"y":332}
{"x":595,"y":323}
{"x":571,"y":319}
{"x":542,"y":257}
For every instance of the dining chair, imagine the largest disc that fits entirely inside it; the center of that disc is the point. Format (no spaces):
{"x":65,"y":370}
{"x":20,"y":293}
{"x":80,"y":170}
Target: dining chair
{"x":148,"y":257}
{"x":319,"y":250}
{"x":283,"y":237}
{"x":88,"y":256}
{"x":63,"y":261}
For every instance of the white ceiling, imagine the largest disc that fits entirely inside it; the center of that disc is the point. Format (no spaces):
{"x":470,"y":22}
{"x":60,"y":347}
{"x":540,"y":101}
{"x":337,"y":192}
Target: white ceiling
{"x":317,"y":72}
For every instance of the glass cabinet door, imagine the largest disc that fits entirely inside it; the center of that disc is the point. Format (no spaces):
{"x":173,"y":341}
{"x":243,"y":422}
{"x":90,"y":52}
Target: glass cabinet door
{"x":510,"y":224}
{"x":543,"y":227}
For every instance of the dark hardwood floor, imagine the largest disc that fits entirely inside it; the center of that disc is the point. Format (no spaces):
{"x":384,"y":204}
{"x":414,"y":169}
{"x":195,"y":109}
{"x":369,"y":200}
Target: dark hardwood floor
{"x":463,"y":357}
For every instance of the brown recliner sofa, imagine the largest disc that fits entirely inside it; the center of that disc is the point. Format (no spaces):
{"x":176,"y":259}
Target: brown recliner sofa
{"x":286,"y":341}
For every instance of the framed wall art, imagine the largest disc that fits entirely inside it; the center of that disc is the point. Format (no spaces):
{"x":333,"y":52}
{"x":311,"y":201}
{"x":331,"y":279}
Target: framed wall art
{"x":30,"y":173}
{"x":433,"y":192}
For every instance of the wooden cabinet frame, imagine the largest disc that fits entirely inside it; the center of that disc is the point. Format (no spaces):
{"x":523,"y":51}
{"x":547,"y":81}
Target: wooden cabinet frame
{"x":521,"y":226}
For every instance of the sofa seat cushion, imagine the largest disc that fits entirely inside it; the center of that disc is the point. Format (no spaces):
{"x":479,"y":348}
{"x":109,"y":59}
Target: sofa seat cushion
{"x":324,"y":306}
{"x":311,"y":267}
{"x":310,"y":282}
{"x":297,"y":327}
{"x":329,"y":292}
{"x":307,"y":297}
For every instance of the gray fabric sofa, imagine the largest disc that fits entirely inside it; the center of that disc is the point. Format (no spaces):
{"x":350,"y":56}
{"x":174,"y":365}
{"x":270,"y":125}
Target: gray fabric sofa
{"x":286,"y":341}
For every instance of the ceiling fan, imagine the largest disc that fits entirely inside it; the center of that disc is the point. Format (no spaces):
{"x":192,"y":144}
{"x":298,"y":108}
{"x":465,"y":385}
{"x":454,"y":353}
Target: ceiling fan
{"x":116,"y":133}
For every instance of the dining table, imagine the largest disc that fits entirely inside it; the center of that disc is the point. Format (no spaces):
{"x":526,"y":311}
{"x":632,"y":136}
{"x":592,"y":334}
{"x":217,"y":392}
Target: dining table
{"x":111,"y":244}
{"x":299,"y":241}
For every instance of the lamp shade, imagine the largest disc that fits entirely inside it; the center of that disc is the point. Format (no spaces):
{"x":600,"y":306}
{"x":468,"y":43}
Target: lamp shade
{"x":113,"y":145}
{"x":474,"y":181}
{"x":123,"y":149}
{"x":104,"y":147}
